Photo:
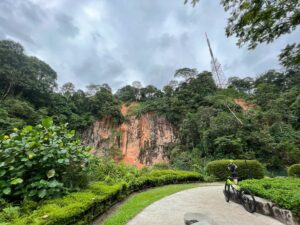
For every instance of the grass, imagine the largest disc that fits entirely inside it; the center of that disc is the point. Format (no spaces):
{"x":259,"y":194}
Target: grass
{"x":141,"y":200}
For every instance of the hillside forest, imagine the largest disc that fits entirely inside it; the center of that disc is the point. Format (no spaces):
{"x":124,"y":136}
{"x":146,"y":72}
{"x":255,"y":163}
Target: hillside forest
{"x":69,"y":155}
{"x":253,"y":117}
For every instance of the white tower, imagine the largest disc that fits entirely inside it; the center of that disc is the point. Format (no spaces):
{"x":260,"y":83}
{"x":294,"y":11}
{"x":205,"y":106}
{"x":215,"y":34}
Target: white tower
{"x":216,"y":68}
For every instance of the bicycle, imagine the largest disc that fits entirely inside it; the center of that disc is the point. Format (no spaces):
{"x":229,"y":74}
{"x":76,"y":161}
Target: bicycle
{"x":243,"y":194}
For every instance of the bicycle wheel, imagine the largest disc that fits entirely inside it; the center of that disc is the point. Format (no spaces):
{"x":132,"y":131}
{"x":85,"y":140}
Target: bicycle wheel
{"x":247,"y":200}
{"x":227,"y":192}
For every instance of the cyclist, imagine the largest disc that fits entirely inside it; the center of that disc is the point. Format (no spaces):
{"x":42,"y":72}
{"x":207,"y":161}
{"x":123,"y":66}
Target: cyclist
{"x":233,"y":169}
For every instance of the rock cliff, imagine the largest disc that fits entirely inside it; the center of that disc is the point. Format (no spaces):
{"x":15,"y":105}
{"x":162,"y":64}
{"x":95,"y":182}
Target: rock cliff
{"x":138,"y":141}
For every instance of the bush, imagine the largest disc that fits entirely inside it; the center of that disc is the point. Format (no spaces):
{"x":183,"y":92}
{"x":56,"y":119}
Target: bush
{"x":9,"y":213}
{"x":35,"y":162}
{"x":282,"y":191}
{"x":162,"y":177}
{"x":294,"y":170}
{"x":83,"y":206}
{"x":161,"y":166}
{"x":105,"y":169}
{"x":253,"y":169}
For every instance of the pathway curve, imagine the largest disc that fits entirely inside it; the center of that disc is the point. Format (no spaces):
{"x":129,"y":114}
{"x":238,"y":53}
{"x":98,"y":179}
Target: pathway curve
{"x":205,"y":200}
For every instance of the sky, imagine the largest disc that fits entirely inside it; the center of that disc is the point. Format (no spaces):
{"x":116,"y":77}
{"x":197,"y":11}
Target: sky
{"x":121,"y":41}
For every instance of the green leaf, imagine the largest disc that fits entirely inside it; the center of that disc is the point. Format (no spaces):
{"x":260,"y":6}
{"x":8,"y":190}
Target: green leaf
{"x":47,"y":122}
{"x":30,"y":154}
{"x":32,"y":193}
{"x":244,"y":5}
{"x":16,"y":181}
{"x":27,"y":128}
{"x":51,"y":173}
{"x":7,"y":191}
{"x":54,"y":183}
{"x":42,"y":193}
{"x":64,"y":151}
{"x":2,"y":173}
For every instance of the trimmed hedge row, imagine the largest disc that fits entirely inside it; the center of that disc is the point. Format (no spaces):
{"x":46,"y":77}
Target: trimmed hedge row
{"x":284,"y":192}
{"x":250,"y":169}
{"x":294,"y":170}
{"x":82,"y":207}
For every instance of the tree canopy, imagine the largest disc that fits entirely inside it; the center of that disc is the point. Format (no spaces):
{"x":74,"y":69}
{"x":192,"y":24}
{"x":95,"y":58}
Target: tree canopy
{"x":269,"y":109}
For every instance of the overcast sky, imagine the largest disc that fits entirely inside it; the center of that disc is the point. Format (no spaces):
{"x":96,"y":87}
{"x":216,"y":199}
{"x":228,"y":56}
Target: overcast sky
{"x":120,"y":41}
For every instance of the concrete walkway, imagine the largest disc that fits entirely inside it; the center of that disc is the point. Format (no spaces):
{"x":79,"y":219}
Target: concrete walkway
{"x":205,"y":200}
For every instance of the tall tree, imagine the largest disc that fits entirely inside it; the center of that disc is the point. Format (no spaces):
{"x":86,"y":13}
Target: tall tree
{"x":68,"y":89}
{"x":186,"y":73}
{"x":11,"y":61}
{"x":241,"y":84}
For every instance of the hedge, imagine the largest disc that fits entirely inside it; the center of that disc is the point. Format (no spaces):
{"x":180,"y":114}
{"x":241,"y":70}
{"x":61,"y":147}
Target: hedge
{"x":84,"y":206}
{"x":294,"y":170}
{"x":251,"y":169}
{"x":284,"y":192}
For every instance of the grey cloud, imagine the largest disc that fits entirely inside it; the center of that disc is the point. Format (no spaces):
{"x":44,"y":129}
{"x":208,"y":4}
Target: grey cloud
{"x":18,"y":19}
{"x":97,"y":37}
{"x":13,"y":29}
{"x":157,"y":75}
{"x":119,"y":41}
{"x":32,"y":12}
{"x":66,"y":25}
{"x":98,"y":69}
{"x":165,"y":41}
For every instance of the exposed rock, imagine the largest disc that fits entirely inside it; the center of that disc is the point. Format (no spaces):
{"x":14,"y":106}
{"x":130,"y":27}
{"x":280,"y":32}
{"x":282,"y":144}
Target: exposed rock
{"x":197,"y":219}
{"x":138,"y":141}
{"x":244,"y":105}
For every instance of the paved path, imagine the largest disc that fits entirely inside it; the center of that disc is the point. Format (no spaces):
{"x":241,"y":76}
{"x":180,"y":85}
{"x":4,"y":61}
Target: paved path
{"x":205,"y":200}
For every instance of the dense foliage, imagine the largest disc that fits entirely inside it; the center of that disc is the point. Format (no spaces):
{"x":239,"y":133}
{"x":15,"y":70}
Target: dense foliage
{"x":252,"y":118}
{"x":267,"y":129}
{"x":284,"y":192}
{"x":41,"y":162}
{"x":294,"y":170}
{"x":29,"y":92}
{"x":40,"y":165}
{"x":83,"y":206}
{"x":246,"y":169}
{"x":209,"y":122}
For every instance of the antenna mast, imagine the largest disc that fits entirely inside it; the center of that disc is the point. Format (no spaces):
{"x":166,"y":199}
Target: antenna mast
{"x":219,"y":76}
{"x":216,"y":68}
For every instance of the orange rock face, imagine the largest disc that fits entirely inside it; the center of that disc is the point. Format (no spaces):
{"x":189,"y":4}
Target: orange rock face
{"x":243,"y":104}
{"x":139,"y":140}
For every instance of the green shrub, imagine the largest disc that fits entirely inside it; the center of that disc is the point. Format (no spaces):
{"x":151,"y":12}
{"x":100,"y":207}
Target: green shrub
{"x":163,"y":177}
{"x":294,"y":170}
{"x":3,"y":204}
{"x":282,"y":191}
{"x":251,"y":169}
{"x":35,"y":161}
{"x":10,"y":213}
{"x":161,"y":166}
{"x":105,"y":169}
{"x":83,"y":206}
